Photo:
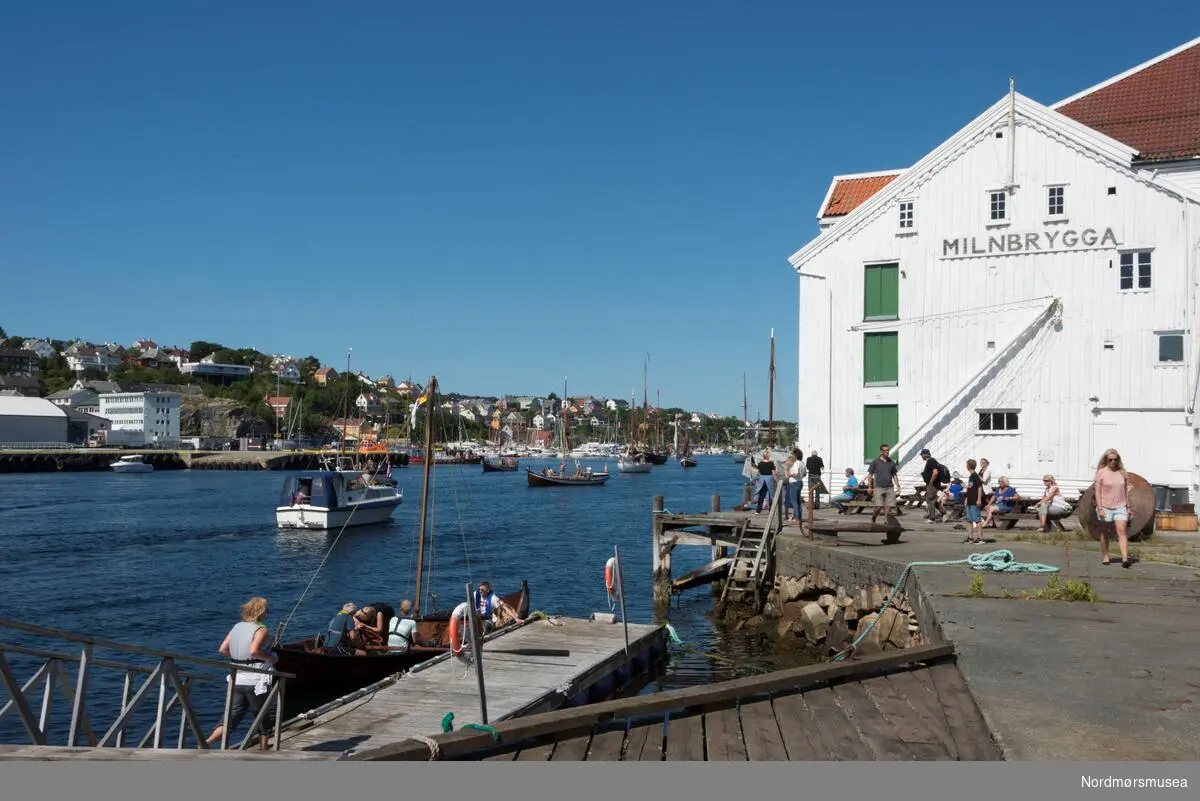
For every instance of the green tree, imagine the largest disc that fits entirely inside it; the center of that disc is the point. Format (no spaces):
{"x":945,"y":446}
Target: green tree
{"x":199,"y":349}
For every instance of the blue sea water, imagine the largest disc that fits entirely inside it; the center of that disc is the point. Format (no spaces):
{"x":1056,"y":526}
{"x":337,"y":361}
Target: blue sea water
{"x":165,"y":559}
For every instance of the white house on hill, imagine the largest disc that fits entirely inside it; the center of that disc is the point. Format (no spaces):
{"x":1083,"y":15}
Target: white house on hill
{"x":1026,"y":292}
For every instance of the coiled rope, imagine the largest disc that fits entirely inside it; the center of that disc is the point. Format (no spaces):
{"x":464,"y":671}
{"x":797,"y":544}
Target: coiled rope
{"x":1001,"y":561}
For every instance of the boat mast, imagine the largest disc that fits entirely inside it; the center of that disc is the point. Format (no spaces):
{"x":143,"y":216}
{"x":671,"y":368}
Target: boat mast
{"x":428,"y":465}
{"x":345,"y":404}
{"x":771,"y":398}
{"x":745,"y":414}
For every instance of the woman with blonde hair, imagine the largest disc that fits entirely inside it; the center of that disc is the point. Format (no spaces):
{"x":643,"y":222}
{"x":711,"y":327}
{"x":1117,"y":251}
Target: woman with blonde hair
{"x":1043,"y":506}
{"x":246,"y":646}
{"x":1112,"y":503}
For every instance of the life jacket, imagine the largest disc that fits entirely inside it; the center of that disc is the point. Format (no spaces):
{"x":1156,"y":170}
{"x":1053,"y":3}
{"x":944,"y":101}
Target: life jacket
{"x":337,"y":630}
{"x":394,"y":629}
{"x":484,"y":606}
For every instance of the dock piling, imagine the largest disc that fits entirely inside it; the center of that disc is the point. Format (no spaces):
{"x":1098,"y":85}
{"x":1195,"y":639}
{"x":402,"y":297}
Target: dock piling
{"x":477,"y":650}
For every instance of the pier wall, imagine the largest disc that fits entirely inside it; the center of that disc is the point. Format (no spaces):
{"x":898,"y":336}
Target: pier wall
{"x":91,"y":459}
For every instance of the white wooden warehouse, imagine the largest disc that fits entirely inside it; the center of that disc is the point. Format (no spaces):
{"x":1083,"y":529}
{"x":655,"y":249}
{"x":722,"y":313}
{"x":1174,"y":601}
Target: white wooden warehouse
{"x":1026,"y":292}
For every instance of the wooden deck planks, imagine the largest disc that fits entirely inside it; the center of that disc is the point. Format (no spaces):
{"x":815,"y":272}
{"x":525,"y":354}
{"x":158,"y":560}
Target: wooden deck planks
{"x":572,"y":750}
{"x":799,"y":729}
{"x":845,"y":744}
{"x":644,"y":743}
{"x":685,"y":739}
{"x":875,"y":729}
{"x":723,"y":739}
{"x":760,"y":731}
{"x":967,"y":725}
{"x":915,"y":688}
{"x":912,"y":725}
{"x":606,"y":746}
{"x":417,"y":702}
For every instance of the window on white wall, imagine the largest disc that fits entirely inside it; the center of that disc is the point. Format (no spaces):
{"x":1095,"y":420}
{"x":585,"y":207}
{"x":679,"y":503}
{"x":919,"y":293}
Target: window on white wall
{"x":1056,"y":198}
{"x":1170,"y":347}
{"x":997,"y":206}
{"x":908,"y":220}
{"x":1135,"y":269}
{"x":999,"y":421}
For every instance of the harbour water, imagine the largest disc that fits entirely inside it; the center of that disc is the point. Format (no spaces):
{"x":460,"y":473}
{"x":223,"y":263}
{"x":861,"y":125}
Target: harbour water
{"x":164,"y":559}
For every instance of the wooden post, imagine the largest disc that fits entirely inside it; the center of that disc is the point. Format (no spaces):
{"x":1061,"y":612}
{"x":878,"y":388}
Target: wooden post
{"x":656,"y":536}
{"x":662,"y":564}
{"x":620,"y":582}
{"x":747,"y":493}
{"x":475,"y":628}
{"x":717,"y":550}
{"x":809,"y":510}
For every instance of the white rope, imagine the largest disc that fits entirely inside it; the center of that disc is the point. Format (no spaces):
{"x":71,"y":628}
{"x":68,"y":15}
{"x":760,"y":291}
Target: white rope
{"x":435,"y":751}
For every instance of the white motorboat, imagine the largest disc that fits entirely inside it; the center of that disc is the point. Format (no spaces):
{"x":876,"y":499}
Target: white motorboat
{"x":134,"y":463}
{"x":332,"y":499}
{"x":633,"y":464}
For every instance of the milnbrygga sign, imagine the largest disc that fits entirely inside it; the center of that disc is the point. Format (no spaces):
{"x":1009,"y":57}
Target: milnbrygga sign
{"x":1030,"y":242}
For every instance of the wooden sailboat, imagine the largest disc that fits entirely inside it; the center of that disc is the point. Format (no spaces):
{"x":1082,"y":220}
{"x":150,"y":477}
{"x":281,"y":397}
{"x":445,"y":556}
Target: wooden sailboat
{"x":632,"y":461}
{"x":319,"y":670}
{"x":740,"y":456}
{"x":582,"y":477}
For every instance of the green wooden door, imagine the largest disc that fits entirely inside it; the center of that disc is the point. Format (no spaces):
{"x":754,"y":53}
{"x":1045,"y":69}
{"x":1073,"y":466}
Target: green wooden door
{"x":881,"y":424}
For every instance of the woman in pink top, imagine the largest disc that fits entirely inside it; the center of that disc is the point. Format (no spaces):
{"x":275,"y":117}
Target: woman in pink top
{"x":1112,"y":503}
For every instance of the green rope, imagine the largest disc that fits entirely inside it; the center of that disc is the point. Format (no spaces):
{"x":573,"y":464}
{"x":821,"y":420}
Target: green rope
{"x":448,"y":726}
{"x":1001,"y":561}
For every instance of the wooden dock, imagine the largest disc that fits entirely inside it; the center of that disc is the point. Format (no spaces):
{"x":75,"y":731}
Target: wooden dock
{"x":416,"y":703}
{"x":910,"y":706}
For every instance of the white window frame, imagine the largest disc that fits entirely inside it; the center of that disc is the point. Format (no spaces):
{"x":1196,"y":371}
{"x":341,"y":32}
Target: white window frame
{"x":911,"y":228}
{"x":1060,"y":216}
{"x":998,"y":432}
{"x":1000,"y":222}
{"x":1173,"y":332}
{"x":1134,"y":253}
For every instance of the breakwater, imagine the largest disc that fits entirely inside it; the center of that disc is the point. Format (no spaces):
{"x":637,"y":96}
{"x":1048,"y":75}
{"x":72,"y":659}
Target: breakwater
{"x":89,"y":459}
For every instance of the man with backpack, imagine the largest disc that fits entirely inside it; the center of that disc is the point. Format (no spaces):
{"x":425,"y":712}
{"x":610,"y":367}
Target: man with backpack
{"x":934,"y":475}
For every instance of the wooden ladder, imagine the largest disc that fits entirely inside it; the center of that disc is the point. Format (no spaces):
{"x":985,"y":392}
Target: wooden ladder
{"x":748,"y":568}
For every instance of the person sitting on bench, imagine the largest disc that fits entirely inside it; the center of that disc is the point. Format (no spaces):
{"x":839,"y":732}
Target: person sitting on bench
{"x":1002,"y":501}
{"x":847,"y":491}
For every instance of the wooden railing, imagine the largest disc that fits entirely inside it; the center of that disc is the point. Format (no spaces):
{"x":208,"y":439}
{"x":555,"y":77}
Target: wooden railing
{"x":173,"y":677}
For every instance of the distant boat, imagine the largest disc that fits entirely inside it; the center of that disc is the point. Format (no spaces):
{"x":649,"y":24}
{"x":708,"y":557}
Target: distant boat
{"x":548,"y":477}
{"x":506,"y":464}
{"x":633,"y":464}
{"x":134,"y":463}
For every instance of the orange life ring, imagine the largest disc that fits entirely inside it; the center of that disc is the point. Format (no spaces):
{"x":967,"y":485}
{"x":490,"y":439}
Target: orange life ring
{"x":610,"y":574}
{"x":457,"y":641}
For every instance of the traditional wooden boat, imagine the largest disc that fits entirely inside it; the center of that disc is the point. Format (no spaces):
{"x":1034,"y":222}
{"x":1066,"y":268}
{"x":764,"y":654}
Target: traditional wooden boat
{"x":633,"y":464}
{"x":687,"y":461}
{"x":713,"y":571}
{"x":506,"y":464}
{"x":319,"y":671}
{"x":550,"y":478}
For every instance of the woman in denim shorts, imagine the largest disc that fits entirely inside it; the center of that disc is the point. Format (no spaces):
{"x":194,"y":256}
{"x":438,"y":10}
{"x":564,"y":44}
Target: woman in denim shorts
{"x":1112,"y":503}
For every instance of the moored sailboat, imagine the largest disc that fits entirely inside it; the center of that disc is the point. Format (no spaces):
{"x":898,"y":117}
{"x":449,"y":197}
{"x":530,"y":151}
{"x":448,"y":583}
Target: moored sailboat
{"x":549,"y":477}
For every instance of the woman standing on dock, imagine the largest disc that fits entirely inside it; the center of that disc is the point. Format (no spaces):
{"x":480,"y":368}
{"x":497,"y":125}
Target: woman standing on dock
{"x":246,"y":644}
{"x":766,"y":482}
{"x":1112,"y":504}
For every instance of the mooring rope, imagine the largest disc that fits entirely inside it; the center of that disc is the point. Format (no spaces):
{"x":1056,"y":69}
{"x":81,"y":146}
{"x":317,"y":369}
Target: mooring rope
{"x":1001,"y":561}
{"x":448,"y":726}
{"x":435,"y":750}
{"x":279,"y":631}
{"x":679,"y":643}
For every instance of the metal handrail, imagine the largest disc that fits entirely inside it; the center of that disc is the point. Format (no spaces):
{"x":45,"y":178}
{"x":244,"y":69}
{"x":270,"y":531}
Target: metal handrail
{"x":166,"y":675}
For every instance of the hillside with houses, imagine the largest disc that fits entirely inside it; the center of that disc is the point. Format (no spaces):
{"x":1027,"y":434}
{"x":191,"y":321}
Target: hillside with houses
{"x":210,"y":395}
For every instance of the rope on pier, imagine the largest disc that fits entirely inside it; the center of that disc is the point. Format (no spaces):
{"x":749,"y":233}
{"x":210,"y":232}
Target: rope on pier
{"x":435,"y":750}
{"x":448,"y":726}
{"x":1001,"y":561}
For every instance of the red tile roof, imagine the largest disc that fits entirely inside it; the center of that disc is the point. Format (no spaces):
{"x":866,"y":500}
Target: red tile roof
{"x":850,"y":193}
{"x":1154,"y":108}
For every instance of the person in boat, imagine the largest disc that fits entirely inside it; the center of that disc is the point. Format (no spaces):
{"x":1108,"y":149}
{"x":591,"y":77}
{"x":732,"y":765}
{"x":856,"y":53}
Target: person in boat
{"x":492,"y":609}
{"x":246,"y":645}
{"x":370,"y":627}
{"x":402,"y":629}
{"x":337,"y":637}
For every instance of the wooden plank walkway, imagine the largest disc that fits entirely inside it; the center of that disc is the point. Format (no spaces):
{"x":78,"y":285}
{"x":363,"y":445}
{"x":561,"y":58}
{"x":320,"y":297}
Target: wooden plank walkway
{"x":515,"y":684}
{"x":925,"y":714}
{"x":900,"y":705}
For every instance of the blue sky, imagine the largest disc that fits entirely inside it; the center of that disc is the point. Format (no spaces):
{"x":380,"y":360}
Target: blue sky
{"x":499,"y":193}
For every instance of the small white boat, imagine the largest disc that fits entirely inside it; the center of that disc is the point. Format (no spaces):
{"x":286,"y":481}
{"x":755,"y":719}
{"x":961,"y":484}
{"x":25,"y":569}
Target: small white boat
{"x":134,"y":463}
{"x":332,"y":499}
{"x":633,"y":464}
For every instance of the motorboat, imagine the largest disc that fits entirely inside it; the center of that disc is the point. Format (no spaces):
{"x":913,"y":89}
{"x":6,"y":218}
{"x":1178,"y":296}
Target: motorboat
{"x":134,"y":463}
{"x":332,"y":499}
{"x":633,"y":464}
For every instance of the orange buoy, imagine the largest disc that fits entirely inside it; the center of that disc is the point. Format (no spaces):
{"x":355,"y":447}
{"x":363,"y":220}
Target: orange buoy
{"x":457,"y":620}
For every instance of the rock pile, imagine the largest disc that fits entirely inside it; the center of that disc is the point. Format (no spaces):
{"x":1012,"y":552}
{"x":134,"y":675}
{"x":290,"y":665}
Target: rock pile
{"x":824,"y":613}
